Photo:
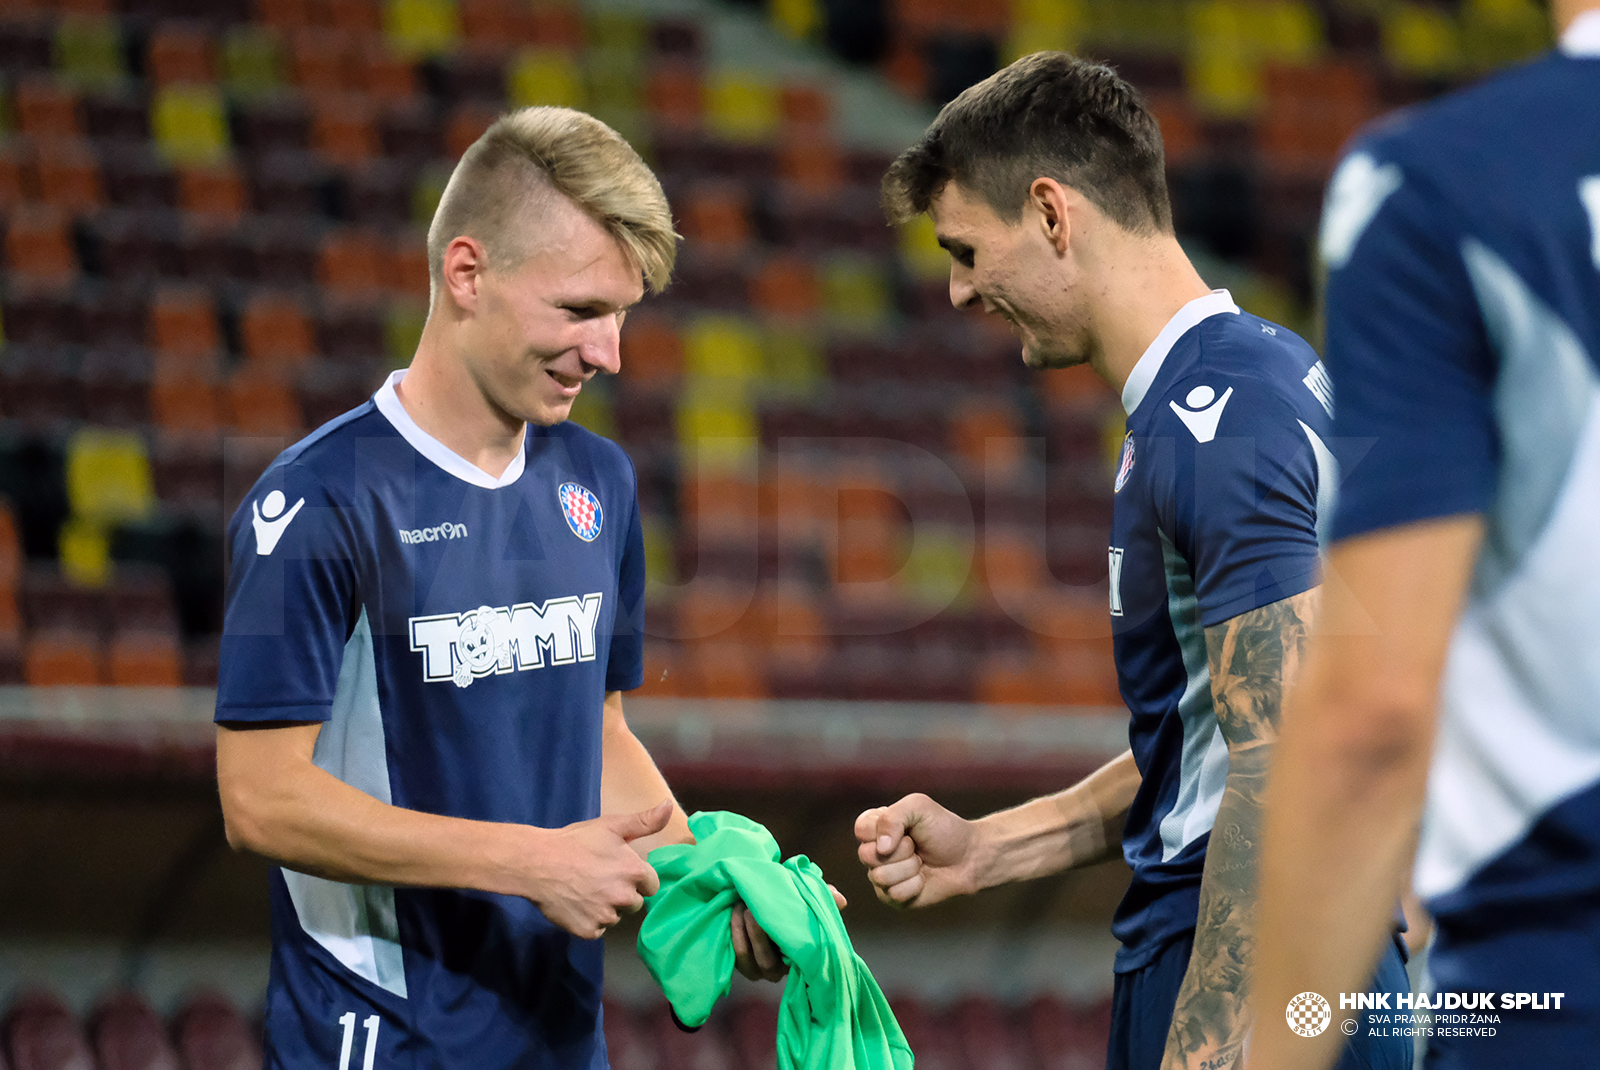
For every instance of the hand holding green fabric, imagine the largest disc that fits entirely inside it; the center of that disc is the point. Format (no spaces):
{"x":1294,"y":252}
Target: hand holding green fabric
{"x":833,"y":1015}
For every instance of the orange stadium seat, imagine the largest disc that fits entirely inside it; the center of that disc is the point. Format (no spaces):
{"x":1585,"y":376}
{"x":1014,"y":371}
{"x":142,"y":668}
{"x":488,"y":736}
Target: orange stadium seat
{"x":466,"y":124}
{"x":342,"y":129}
{"x":45,"y":109}
{"x":675,"y":95}
{"x":717,"y":215}
{"x":652,"y":349}
{"x":184,"y":402}
{"x":183,"y":325}
{"x":805,"y":107}
{"x":556,"y":25}
{"x":405,"y":267}
{"x":382,"y":73}
{"x":287,"y":15}
{"x":260,"y":401}
{"x":68,"y":175}
{"x":725,"y":670}
{"x":180,"y":53}
{"x":275,"y":331}
{"x":350,"y":263}
{"x":811,"y":163}
{"x":211,"y":190}
{"x":39,"y":247}
{"x":786,"y":285}
{"x":145,"y":658}
{"x":61,"y":658}
{"x":357,"y":17}
{"x":16,"y":175}
{"x":321,"y":62}
{"x":10,"y":548}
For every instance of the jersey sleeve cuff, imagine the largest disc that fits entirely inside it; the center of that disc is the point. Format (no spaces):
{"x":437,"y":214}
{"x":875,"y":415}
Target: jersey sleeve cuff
{"x":315,"y":711}
{"x":1212,"y":615}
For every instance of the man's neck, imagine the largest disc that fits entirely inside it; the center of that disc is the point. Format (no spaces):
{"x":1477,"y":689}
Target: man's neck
{"x":442,"y":398}
{"x":1143,"y":284}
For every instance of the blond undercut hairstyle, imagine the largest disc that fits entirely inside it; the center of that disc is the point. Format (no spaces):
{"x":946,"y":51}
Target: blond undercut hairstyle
{"x":532,"y":152}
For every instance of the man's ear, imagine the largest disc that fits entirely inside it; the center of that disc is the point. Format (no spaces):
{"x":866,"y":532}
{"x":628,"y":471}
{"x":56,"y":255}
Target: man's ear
{"x":465,"y":261}
{"x":1049,"y":199}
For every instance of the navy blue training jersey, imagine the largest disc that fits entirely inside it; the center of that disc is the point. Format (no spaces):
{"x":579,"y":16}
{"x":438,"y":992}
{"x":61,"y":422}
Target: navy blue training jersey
{"x":456,"y":634}
{"x":1462,"y":241}
{"x":1215,"y":515}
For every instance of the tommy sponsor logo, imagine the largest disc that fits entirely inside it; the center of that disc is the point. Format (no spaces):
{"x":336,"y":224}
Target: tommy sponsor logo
{"x":1320,"y":383}
{"x":436,"y":533}
{"x":1308,"y":1014}
{"x":463,"y":647}
{"x":270,"y":521}
{"x":1203,"y":414}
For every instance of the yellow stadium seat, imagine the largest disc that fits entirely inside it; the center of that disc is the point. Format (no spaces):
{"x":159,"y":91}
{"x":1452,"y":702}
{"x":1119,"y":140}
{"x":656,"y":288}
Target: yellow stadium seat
{"x":796,"y":19}
{"x":660,"y":562}
{"x":939,"y":564}
{"x":792,"y":361}
{"x":88,"y":51}
{"x":108,"y":476}
{"x":1422,"y":40}
{"x":1288,"y":31}
{"x":1040,"y":25}
{"x":251,"y":60}
{"x":742,"y":106}
{"x":920,"y":250}
{"x":855,"y":292}
{"x":85,"y":550}
{"x":1224,"y":84}
{"x":421,"y":27}
{"x":593,"y":410}
{"x":717,"y":426}
{"x":402,"y":331}
{"x":722,"y":347}
{"x":1497,"y":33}
{"x":189,"y":124}
{"x":545,"y":76}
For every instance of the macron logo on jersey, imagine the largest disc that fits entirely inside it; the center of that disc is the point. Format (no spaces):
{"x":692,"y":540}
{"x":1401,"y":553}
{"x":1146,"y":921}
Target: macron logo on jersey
{"x":1320,"y":384}
{"x":1202,"y":424}
{"x":446,"y":530}
{"x":463,"y":647}
{"x":269,"y":524}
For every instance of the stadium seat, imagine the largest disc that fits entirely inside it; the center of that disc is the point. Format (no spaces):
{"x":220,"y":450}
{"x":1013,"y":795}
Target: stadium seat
{"x":40,"y":317}
{"x":11,"y":559}
{"x":626,"y":1045}
{"x":545,"y":76}
{"x":342,"y":129}
{"x":377,"y":193}
{"x":383,"y":74}
{"x":60,"y":658}
{"x":39,"y":247}
{"x":134,"y":177}
{"x":674,"y":96}
{"x":46,"y":110}
{"x":811,"y":164}
{"x":742,"y":106}
{"x":89,"y":51}
{"x":111,"y":317}
{"x":189,"y":124}
{"x":183,"y":326}
{"x":211,"y":190}
{"x":271,"y":124}
{"x":117,"y":113}
{"x":320,"y":62}
{"x":185,"y":402}
{"x":25,"y":45}
{"x":274,"y":330}
{"x":466,"y":124}
{"x":144,"y":658}
{"x":325,"y":390}
{"x":115,"y":387}
{"x":282,"y":252}
{"x":988,"y":1038}
{"x":286,"y":15}
{"x":210,"y":1034}
{"x":251,"y":60}
{"x":16,"y":175}
{"x":261,"y":401}
{"x":786,"y":286}
{"x":187,"y":468}
{"x":41,"y":1033}
{"x":134,"y":247}
{"x":727,"y":670}
{"x":180,"y":54}
{"x":356,"y":17}
{"x":704,"y":1049}
{"x":36,"y":382}
{"x":200,"y":662}
{"x":108,"y":476}
{"x":128,"y":1034}
{"x":421,"y":27}
{"x":350,"y":263}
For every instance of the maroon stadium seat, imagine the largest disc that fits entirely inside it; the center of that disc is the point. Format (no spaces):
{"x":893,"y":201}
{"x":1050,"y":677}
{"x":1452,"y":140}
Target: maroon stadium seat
{"x":704,"y":1049}
{"x":626,"y":1043}
{"x":42,"y":1034}
{"x":129,"y":1035}
{"x":211,"y":1034}
{"x":989,"y":1037}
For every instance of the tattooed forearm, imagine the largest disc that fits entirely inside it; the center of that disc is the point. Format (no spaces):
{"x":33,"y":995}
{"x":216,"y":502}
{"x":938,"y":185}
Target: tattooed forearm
{"x":1252,"y":659}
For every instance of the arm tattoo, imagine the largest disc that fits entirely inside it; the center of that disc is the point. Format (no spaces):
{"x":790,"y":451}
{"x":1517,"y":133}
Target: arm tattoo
{"x":1252,"y":659}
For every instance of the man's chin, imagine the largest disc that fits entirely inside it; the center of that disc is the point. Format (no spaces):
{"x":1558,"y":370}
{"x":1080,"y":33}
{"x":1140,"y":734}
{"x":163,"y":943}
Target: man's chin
{"x":1042,"y":359}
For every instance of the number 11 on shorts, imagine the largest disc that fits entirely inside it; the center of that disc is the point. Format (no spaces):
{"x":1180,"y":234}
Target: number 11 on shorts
{"x":348,"y":1021}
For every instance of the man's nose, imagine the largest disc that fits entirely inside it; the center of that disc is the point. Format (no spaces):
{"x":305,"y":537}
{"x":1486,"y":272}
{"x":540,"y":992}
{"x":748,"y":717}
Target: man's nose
{"x":962,"y":293}
{"x":601,"y":347}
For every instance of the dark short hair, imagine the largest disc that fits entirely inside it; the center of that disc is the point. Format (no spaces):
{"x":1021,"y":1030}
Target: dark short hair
{"x":1049,"y":114}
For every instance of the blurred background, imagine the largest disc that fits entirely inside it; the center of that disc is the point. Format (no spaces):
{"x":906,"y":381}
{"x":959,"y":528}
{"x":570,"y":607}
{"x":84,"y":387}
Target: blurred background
{"x":876,"y":542}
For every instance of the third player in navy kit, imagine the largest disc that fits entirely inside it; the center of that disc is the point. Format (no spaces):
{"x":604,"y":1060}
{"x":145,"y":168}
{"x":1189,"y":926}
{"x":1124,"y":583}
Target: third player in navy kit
{"x":1459,"y":680}
{"x":1046,"y":185}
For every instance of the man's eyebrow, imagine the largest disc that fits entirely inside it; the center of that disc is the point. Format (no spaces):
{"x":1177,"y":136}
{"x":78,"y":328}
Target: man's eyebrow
{"x":953,"y":247}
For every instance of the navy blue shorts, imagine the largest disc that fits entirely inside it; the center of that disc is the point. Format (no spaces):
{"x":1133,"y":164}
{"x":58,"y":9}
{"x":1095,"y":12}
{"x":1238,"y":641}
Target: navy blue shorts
{"x":1563,"y":957}
{"x":1142,"y":1001}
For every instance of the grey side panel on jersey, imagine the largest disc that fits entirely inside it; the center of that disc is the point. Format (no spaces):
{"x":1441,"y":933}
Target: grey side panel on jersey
{"x":1518,"y":733}
{"x":1203,"y":768}
{"x":1541,"y":399}
{"x":355,"y":923}
{"x":1327,"y":483}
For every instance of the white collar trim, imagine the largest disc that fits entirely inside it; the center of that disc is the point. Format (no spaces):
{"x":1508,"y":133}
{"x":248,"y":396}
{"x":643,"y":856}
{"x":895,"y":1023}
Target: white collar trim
{"x":1144,"y":373}
{"x":388,"y":403}
{"x":1583,"y":36}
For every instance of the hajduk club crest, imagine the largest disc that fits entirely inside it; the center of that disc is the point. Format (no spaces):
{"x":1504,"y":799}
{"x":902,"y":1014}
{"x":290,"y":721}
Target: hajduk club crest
{"x":582,"y":510}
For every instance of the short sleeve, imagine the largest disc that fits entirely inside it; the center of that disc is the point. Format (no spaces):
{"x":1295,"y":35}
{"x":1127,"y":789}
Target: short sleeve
{"x":1239,"y":501}
{"x":625,"y":662}
{"x":1413,"y":373}
{"x":291,"y":601}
